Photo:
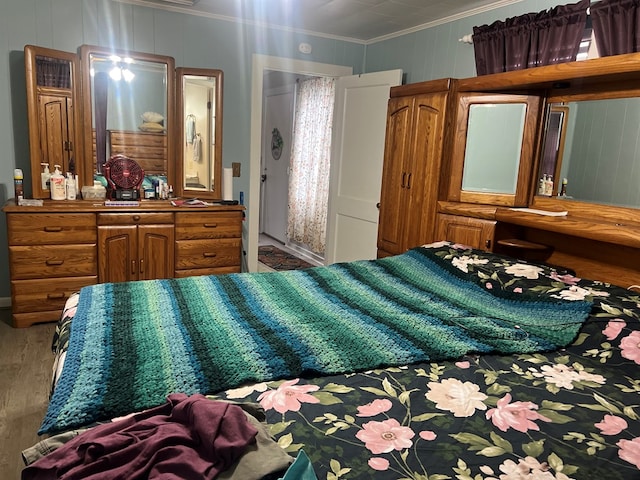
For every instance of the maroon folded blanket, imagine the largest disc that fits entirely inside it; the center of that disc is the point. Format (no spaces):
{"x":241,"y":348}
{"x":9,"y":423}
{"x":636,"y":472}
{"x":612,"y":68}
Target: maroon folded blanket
{"x":187,"y":437}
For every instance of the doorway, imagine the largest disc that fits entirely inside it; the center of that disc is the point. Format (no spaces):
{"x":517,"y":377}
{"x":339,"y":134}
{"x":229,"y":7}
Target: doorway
{"x":290,"y":100}
{"x":263,"y":64}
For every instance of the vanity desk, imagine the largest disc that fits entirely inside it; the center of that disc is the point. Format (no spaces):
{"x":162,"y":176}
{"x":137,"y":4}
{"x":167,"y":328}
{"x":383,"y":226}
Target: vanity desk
{"x":60,"y":247}
{"x":577,"y":120}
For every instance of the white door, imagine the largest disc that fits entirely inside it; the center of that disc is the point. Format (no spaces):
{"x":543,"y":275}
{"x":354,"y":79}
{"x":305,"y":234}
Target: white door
{"x":360,"y":116}
{"x":278,"y":123}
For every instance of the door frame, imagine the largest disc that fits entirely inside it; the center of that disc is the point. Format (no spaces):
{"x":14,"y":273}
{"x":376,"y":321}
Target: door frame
{"x":261,"y":63}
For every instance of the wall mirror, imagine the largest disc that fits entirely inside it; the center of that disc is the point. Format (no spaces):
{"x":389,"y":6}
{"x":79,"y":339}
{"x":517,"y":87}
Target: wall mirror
{"x":54,"y":134}
{"x":199,"y":120}
{"x":594,"y":145}
{"x":493,"y":148}
{"x":128,"y":103}
{"x":492,"y":153}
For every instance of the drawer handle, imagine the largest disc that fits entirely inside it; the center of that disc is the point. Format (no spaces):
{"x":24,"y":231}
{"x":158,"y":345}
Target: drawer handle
{"x":52,"y":263}
{"x":210,"y":225}
{"x":209,"y":254}
{"x":52,"y":229}
{"x":55,"y":296}
{"x":136,"y":218}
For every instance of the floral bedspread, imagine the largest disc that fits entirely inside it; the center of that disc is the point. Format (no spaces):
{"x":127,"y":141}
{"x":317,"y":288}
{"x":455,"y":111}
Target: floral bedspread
{"x":570,"y":414}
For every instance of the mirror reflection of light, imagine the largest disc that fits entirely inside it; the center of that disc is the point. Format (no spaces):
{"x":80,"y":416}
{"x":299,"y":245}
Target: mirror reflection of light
{"x":117,"y":73}
{"x":127,"y":75}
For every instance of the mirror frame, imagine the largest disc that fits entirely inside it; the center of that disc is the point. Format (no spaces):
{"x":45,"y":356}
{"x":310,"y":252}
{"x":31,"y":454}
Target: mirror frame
{"x":527,"y":153}
{"x":179,"y":187}
{"x":87,"y":112}
{"x":33,"y":90}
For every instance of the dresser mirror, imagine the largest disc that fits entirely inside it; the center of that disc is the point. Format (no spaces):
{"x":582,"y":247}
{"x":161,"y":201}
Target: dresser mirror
{"x":128,"y":100}
{"x":594,"y":145}
{"x":492,"y":154}
{"x":54,"y":135}
{"x":199,"y":130}
{"x":493,"y":148}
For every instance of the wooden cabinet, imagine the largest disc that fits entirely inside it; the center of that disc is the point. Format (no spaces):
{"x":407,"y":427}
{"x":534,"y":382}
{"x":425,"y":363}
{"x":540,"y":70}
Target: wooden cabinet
{"x":474,"y":232}
{"x":135,"y":246}
{"x":414,"y":146}
{"x":57,"y":249}
{"x":208,"y":244}
{"x":50,"y":257}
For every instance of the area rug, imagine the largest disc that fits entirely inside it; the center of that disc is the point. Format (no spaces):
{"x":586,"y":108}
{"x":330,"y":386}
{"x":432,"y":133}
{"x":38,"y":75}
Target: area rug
{"x":280,"y":260}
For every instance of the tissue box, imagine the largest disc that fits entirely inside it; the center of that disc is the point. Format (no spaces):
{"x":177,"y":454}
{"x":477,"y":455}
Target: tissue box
{"x":95,"y":192}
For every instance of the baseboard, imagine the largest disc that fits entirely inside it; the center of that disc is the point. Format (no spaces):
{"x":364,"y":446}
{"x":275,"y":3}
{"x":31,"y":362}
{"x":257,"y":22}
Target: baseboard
{"x":5,"y":302}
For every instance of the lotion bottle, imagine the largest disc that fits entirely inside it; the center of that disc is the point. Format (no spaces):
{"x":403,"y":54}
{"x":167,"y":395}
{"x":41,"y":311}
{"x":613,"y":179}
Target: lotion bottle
{"x":71,"y":187}
{"x":58,"y":190}
{"x":45,"y":176}
{"x":549,"y":186}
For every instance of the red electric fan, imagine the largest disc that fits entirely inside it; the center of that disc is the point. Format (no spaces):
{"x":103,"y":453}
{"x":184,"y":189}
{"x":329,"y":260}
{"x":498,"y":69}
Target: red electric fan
{"x":124,"y":178}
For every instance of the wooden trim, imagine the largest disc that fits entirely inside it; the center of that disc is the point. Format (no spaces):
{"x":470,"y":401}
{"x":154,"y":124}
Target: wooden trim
{"x":583,"y":227}
{"x":428,"y":86}
{"x":613,"y":69}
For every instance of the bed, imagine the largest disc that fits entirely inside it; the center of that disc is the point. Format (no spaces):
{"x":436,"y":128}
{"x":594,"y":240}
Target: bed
{"x":550,"y":392}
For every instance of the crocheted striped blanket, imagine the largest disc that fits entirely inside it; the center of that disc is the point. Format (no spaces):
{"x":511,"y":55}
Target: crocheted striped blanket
{"x":134,"y":343}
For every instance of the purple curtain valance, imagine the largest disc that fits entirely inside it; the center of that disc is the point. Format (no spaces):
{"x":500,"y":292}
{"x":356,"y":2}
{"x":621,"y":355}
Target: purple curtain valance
{"x":530,"y":40}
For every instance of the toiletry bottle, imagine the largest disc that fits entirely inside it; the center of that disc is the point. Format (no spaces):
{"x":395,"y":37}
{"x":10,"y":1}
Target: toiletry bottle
{"x":563,"y":188}
{"x":58,"y":190}
{"x":549,"y":186}
{"x":542,"y":184}
{"x":71,"y":187}
{"x":45,"y":176}
{"x":18,"y":184}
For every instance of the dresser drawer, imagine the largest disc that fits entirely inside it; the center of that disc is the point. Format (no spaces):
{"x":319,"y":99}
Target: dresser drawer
{"x":190,"y":226}
{"x":207,"y":253}
{"x":193,"y":272}
{"x":45,"y":295}
{"x":44,"y":261}
{"x":51,"y":228}
{"x":134,"y":218}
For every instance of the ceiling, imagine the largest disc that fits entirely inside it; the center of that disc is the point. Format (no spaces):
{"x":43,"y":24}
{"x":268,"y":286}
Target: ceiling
{"x":356,"y":20}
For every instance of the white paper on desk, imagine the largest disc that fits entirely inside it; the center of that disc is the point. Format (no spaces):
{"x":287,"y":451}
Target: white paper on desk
{"x":227,"y":184}
{"x":541,"y":212}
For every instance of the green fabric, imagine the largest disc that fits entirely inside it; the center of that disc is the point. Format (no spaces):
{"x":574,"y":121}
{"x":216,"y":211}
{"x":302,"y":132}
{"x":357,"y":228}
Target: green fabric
{"x":211,"y":333}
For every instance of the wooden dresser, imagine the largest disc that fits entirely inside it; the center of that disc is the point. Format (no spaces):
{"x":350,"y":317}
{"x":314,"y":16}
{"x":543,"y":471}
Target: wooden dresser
{"x":56,"y":249}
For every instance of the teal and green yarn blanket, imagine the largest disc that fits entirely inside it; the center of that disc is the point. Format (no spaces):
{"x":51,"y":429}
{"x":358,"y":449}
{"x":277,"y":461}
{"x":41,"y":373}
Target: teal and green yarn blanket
{"x":134,"y":343}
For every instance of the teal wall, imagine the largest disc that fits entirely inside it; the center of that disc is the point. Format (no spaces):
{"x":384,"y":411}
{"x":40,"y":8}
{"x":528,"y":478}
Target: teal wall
{"x":206,"y":43}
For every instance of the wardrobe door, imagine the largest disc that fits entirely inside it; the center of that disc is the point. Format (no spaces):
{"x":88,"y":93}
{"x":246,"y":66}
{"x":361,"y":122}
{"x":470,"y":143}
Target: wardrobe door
{"x":393,"y":195}
{"x":51,"y":96}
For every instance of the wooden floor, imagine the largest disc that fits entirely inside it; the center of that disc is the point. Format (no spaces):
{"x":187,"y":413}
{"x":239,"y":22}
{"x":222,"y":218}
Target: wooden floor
{"x":25,"y":373}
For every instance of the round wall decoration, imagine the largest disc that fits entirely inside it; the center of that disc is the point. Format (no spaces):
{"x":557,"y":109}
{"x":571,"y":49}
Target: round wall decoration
{"x":276,"y":144}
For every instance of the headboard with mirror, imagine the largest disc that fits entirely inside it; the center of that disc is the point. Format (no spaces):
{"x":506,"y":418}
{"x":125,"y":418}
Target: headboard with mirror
{"x":120,"y":102}
{"x":589,"y":133}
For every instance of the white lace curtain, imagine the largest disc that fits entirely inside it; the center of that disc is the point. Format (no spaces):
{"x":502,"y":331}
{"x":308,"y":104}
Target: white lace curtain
{"x":310,"y":162}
